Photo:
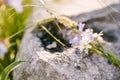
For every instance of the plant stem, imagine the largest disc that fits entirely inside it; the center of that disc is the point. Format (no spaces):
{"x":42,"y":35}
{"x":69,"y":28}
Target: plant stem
{"x":52,"y":35}
{"x":109,"y":56}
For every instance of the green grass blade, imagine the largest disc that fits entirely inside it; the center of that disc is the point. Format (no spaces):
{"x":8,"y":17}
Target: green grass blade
{"x":4,"y":74}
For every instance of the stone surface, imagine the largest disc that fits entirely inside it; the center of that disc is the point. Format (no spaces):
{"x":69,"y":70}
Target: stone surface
{"x":41,"y":64}
{"x":80,"y":10}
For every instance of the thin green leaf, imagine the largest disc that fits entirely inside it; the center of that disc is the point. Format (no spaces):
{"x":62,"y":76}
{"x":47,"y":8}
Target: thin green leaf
{"x":4,"y":74}
{"x":1,"y":67}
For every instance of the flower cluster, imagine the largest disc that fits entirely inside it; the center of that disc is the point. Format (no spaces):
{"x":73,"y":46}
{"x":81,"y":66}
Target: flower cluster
{"x":86,"y":40}
{"x":83,"y":38}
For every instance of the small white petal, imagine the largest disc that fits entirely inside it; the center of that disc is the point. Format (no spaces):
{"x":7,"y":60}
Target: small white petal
{"x":81,"y":26}
{"x":98,"y":36}
{"x":73,"y":41}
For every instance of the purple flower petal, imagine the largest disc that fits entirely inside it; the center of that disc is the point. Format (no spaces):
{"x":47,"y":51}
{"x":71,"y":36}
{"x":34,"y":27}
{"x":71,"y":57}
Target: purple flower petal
{"x":91,"y":38}
{"x":73,"y":41}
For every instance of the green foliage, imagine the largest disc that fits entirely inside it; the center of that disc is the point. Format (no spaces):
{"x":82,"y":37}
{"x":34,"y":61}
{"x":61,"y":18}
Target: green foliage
{"x":11,"y":22}
{"x":5,"y":72}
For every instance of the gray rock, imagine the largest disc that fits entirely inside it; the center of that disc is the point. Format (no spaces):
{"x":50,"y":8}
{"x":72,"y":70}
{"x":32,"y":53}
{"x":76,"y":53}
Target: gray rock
{"x":42,"y":64}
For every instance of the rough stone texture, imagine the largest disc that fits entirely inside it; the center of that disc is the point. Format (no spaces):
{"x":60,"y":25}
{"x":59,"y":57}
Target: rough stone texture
{"x":42,"y":65}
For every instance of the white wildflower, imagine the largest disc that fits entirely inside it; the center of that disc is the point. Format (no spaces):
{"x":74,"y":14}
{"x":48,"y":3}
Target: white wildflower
{"x":82,"y":39}
{"x":75,"y":40}
{"x":81,"y":26}
{"x":98,"y":36}
{"x":87,"y":37}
